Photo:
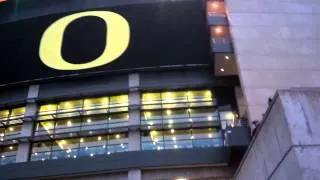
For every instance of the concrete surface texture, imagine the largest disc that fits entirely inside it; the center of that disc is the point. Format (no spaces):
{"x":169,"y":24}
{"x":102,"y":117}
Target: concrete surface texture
{"x":287,"y":146}
{"x":276,"y":45}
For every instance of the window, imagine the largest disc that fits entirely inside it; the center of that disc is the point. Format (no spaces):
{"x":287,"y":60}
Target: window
{"x":88,"y":106}
{"x":172,"y":117}
{"x":8,"y":154}
{"x":182,"y":138}
{"x":216,"y":8}
{"x":92,"y":124}
{"x":177,"y":99}
{"x":11,"y":123}
{"x":220,"y":35}
{"x":77,"y":147}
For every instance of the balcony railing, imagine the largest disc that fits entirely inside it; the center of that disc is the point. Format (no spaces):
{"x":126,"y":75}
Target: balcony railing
{"x":183,"y":143}
{"x":79,"y":152}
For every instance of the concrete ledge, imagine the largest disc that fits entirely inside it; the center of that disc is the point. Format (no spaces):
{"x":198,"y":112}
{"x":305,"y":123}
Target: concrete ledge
{"x":116,"y":162}
{"x":287,"y":144}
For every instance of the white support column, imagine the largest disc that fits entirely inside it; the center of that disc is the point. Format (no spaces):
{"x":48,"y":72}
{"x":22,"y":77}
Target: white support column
{"x":24,"y":146}
{"x":134,"y":121}
{"x":134,"y":174}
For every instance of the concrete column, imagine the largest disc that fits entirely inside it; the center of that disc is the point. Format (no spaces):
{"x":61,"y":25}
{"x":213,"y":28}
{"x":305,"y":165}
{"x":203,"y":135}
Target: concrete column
{"x":134,"y":140}
{"x":24,"y":146}
{"x":134,"y":121}
{"x":134,"y":174}
{"x":134,"y":113}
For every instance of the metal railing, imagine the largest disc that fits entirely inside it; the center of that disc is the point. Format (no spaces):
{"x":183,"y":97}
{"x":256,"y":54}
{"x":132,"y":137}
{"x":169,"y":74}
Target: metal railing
{"x":183,"y":143}
{"x":79,"y":152}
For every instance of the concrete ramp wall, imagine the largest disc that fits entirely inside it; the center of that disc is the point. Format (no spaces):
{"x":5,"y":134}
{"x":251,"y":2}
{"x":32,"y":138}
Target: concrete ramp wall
{"x":287,"y":144}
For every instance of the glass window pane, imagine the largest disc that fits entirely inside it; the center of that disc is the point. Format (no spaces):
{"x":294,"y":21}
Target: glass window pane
{"x":67,"y":106}
{"x":17,"y":113}
{"x":151,"y":98}
{"x":216,"y":8}
{"x":174,"y":99}
{"x":66,"y":144}
{"x":118,"y":120}
{"x":8,"y":154}
{"x":13,"y":132}
{"x":4,"y":115}
{"x":44,"y":128}
{"x":96,"y":103}
{"x":203,"y":114}
{"x":48,"y":109}
{"x":119,"y":100}
{"x":151,"y":117}
{"x":67,"y":125}
{"x":95,"y":122}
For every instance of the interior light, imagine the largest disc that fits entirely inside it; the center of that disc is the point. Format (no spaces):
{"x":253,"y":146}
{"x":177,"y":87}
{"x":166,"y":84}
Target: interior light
{"x":99,"y":138}
{"x":230,"y":115}
{"x":117,"y":136}
{"x":91,"y":154}
{"x":221,"y":69}
{"x":35,"y":154}
{"x":81,"y":140}
{"x":149,"y":127}
{"x":1,"y":139}
{"x":108,"y":153}
{"x":128,"y":116}
{"x":151,"y":123}
{"x":170,"y":126}
{"x":11,"y":129}
{"x":10,"y":147}
{"x":69,"y":123}
{"x":181,"y":179}
{"x":170,"y":121}
{"x":90,"y":132}
{"x":191,"y":137}
{"x":109,"y":118}
{"x":70,"y":134}
{"x":158,"y":148}
{"x":209,"y":118}
{"x":189,"y":110}
{"x":215,"y":5}
{"x":105,"y":100}
{"x":86,"y":148}
{"x":172,"y":131}
{"x":218,"y":30}
{"x":174,"y":138}
{"x":148,"y":114}
{"x":88,"y":120}
{"x":42,"y":159}
{"x":210,"y":135}
{"x":190,"y":119}
{"x":154,"y":143}
{"x":3,"y":156}
{"x":104,"y":146}
{"x":124,"y":98}
{"x":169,"y":112}
{"x":74,"y":156}
{"x":208,"y":93}
{"x":226,"y":57}
{"x":2,"y":134}
{"x":175,"y":146}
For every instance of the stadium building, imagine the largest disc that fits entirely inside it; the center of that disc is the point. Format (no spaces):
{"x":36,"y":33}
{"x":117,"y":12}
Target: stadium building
{"x":144,"y":89}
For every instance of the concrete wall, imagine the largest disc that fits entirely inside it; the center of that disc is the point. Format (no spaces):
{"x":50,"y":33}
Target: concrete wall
{"x":195,"y":173}
{"x":288,"y":143}
{"x":277,"y":46}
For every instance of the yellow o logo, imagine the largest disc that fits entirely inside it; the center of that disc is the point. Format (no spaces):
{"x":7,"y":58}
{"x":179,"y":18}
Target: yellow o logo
{"x":117,"y":40}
